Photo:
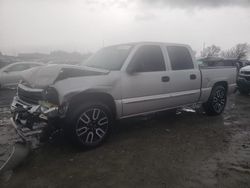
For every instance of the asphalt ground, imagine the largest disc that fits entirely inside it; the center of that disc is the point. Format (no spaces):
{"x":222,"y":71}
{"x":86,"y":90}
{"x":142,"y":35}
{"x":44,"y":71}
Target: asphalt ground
{"x":165,"y":150}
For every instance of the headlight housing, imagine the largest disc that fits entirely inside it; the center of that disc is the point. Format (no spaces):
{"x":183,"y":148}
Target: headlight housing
{"x":50,"y":95}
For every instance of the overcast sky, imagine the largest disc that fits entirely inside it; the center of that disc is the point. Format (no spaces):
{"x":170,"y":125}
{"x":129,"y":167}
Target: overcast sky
{"x":87,"y":25}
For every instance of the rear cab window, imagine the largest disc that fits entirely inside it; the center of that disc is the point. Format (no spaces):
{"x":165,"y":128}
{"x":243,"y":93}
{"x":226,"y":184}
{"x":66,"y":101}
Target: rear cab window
{"x":180,"y":58}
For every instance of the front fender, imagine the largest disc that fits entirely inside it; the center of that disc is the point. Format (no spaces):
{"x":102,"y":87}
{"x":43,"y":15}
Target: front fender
{"x":68,"y":97}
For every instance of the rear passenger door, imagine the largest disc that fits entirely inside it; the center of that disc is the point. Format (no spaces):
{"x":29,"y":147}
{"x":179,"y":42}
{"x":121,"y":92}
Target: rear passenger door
{"x":142,"y":90}
{"x":185,"y":78}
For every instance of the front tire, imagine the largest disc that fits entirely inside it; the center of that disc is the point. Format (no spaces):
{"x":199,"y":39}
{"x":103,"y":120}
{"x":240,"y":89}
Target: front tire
{"x":216,"y":102}
{"x":89,"y":124}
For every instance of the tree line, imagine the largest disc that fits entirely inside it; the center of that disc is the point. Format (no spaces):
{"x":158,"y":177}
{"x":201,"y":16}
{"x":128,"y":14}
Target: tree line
{"x":239,"y":51}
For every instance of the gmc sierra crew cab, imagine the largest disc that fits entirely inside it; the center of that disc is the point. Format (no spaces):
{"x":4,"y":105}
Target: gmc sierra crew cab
{"x":117,"y":82}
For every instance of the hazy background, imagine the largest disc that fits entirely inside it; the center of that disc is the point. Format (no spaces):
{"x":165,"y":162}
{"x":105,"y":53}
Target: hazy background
{"x":86,"y":25}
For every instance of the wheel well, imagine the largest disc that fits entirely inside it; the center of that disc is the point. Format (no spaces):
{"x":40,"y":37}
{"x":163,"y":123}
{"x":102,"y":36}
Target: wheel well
{"x":101,"y":97}
{"x":221,"y":83}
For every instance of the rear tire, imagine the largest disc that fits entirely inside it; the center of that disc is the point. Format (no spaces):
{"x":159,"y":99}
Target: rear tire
{"x":90,"y":124}
{"x":217,"y":101}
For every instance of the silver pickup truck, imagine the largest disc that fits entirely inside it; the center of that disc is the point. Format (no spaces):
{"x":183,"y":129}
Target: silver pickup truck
{"x":117,"y":82}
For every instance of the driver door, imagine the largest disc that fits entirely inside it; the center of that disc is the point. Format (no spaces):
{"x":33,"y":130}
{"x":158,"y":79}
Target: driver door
{"x":143,"y":88}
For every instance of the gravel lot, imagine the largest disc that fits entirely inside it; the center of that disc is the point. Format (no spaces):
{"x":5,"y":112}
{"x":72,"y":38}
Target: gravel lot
{"x":185,"y":150}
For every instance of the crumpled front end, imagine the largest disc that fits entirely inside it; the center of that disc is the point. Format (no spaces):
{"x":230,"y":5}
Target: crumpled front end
{"x":34,"y":115}
{"x":43,"y":97}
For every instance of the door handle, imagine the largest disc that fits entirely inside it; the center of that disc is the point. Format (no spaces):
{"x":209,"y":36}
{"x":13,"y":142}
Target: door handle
{"x":165,"y":79}
{"x":192,"y":77}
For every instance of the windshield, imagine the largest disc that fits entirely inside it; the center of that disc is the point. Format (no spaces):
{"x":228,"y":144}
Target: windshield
{"x":109,"y":58}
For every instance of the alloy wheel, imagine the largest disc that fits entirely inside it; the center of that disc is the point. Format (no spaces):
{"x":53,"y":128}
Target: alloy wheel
{"x":92,"y":126}
{"x":219,"y":100}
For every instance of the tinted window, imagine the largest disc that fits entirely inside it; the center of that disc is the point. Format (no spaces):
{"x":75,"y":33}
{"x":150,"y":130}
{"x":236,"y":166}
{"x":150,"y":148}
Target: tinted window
{"x":148,"y":59}
{"x":18,"y":67}
{"x":180,"y":58}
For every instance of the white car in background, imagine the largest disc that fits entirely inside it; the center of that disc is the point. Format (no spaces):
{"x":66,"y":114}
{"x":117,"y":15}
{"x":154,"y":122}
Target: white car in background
{"x":11,"y":74}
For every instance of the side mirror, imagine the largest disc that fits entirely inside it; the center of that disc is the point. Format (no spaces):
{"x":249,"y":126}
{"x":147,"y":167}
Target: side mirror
{"x":130,"y":69}
{"x":133,"y":68}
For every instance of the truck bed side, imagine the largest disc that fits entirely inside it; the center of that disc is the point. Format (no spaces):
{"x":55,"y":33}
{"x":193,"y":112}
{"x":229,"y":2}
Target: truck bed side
{"x":214,"y":75}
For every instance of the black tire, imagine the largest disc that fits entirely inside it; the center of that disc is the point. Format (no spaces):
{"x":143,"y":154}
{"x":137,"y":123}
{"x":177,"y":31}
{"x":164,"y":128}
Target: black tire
{"x":89,"y":125}
{"x":217,"y":101}
{"x":243,"y":91}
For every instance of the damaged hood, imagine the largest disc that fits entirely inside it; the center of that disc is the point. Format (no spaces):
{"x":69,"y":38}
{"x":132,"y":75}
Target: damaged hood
{"x":41,"y":77}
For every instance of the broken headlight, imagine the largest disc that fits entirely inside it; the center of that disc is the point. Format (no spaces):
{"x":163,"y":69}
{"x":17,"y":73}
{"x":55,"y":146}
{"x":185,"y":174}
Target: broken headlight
{"x":50,"y":103}
{"x":50,"y":96}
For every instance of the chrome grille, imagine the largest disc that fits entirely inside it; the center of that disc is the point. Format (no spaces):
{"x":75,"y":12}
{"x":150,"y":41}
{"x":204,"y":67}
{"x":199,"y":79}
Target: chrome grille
{"x":245,"y":72}
{"x":28,"y":95}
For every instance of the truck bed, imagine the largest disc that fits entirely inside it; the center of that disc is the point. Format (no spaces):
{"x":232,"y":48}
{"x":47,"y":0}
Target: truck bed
{"x":211,"y":75}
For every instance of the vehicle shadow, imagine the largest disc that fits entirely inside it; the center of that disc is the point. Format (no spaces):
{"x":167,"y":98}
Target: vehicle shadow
{"x":167,"y":123}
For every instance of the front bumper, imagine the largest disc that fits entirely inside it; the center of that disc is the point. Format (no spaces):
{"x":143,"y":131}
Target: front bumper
{"x":30,"y":121}
{"x":27,"y":134}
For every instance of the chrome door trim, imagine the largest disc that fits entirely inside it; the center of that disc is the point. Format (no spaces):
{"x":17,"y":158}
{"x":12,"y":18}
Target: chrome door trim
{"x":158,"y":97}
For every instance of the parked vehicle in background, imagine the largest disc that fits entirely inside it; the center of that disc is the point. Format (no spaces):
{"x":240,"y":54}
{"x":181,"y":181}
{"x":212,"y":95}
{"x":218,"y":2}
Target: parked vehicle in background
{"x":219,"y":61}
{"x":11,"y":74}
{"x":243,"y":80}
{"x":117,"y":82}
{"x":58,"y":62}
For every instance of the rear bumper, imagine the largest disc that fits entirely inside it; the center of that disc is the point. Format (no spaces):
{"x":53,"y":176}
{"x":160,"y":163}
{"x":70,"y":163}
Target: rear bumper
{"x":232,"y":88}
